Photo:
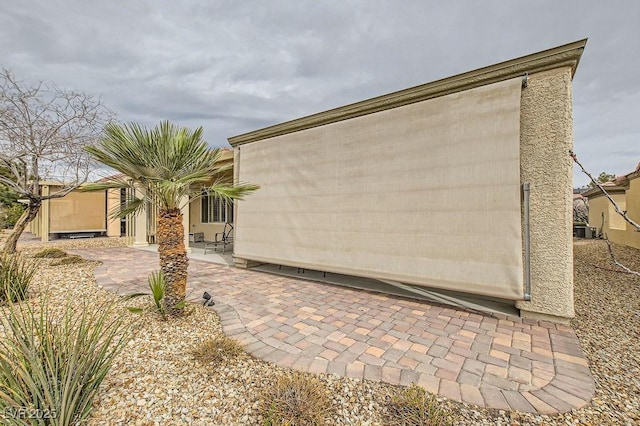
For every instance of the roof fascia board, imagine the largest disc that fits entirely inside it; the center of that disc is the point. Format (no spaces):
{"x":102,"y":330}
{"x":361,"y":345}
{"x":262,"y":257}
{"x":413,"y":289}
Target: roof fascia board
{"x":567,"y":55}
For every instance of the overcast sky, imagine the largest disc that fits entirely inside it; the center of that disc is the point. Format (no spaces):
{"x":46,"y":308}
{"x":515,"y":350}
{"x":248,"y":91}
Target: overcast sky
{"x":237,"y":66}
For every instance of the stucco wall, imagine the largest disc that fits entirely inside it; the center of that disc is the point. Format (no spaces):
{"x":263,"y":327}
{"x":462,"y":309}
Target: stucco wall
{"x":546,"y":136}
{"x":633,"y":210}
{"x":113,"y":201}
{"x":196,"y":225}
{"x":629,"y":201}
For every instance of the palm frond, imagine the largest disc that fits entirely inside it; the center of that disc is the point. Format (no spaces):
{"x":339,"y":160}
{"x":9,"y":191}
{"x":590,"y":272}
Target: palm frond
{"x":165,"y":165}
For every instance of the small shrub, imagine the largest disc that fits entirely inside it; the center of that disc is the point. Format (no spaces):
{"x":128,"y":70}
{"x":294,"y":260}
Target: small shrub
{"x":50,"y":253}
{"x":16,"y":274}
{"x":295,"y":399}
{"x":157,"y":284}
{"x":69,"y":260}
{"x":54,"y":361}
{"x":412,"y":406}
{"x":11,"y":215}
{"x":214,"y":351}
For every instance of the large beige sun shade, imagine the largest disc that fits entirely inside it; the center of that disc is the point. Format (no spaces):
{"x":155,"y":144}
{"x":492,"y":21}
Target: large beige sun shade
{"x":426,"y":194}
{"x":79,"y":211}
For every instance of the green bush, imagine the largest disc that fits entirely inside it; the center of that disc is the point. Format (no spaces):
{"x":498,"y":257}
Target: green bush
{"x":52,"y":362}
{"x":412,"y":406}
{"x":295,"y":399}
{"x":50,"y":253}
{"x":11,"y":215}
{"x":16,"y":274}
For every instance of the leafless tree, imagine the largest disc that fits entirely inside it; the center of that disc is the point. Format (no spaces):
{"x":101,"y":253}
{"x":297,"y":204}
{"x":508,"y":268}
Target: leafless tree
{"x":622,"y":213}
{"x":580,"y":210}
{"x":43,"y":130}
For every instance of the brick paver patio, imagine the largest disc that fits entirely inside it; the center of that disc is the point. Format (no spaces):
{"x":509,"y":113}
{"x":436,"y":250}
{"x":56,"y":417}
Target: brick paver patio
{"x":492,"y":361}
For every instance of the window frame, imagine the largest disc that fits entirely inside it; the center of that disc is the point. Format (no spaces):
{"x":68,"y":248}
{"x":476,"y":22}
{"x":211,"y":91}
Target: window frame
{"x":222,"y":213}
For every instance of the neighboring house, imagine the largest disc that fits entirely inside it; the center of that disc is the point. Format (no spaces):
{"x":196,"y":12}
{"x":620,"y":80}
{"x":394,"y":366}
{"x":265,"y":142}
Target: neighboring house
{"x":462,"y":184}
{"x":88,"y":214}
{"x":76,"y":214}
{"x":625,"y":191}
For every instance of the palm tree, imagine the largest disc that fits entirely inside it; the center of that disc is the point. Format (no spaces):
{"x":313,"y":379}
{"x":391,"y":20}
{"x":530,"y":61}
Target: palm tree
{"x":165,"y":166}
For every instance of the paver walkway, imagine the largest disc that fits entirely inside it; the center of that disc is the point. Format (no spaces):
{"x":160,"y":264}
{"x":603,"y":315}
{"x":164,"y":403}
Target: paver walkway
{"x":491,"y":361}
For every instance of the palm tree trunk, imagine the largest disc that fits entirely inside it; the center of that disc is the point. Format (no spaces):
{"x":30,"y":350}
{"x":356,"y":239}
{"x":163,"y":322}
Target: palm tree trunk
{"x":173,"y":258}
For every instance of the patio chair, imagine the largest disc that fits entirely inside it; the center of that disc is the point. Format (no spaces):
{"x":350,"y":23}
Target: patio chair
{"x":224,"y":239}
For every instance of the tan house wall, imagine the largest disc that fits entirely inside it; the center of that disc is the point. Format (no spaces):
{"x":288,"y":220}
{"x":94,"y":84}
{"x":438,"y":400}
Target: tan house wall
{"x":113,"y":201}
{"x":633,"y":208}
{"x":546,"y":137}
{"x":195,"y":215}
{"x":75,"y":212}
{"x":195,"y":206}
{"x":616,"y":228}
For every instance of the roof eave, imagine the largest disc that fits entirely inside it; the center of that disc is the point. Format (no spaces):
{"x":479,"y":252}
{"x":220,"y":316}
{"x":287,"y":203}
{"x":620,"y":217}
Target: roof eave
{"x":567,"y":55}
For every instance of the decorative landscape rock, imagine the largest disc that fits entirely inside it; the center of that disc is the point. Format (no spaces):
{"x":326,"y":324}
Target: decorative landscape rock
{"x":155,"y":380}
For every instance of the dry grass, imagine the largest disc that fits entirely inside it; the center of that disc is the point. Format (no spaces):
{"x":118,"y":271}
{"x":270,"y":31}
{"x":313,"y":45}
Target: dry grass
{"x":50,"y":253}
{"x":217,"y":350}
{"x":295,"y":399}
{"x":412,"y":406}
{"x":68,"y":260}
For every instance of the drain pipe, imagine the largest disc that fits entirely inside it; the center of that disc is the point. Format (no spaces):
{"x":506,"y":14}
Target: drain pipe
{"x":526,"y":190}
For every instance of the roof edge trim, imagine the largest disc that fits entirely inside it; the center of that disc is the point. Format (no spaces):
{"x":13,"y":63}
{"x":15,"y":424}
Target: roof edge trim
{"x":567,"y":55}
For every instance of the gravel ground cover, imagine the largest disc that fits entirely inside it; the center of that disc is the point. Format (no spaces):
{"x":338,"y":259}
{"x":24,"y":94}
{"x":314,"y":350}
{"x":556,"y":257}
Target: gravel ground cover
{"x":155,"y":381}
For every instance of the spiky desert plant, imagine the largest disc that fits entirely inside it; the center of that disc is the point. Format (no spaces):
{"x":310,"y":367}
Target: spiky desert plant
{"x":16,"y":274}
{"x":53,"y":360}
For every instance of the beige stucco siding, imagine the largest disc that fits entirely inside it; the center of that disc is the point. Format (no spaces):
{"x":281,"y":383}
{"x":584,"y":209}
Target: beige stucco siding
{"x":546,"y":137}
{"x":633,"y":210}
{"x":195,"y":219}
{"x":615,"y":227}
{"x":113,"y":202}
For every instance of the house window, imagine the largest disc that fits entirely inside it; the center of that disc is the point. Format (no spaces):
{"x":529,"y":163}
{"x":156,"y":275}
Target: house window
{"x":215,"y":209}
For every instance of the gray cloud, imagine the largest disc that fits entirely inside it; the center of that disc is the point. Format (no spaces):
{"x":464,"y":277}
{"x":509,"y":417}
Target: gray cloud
{"x":233,"y":67}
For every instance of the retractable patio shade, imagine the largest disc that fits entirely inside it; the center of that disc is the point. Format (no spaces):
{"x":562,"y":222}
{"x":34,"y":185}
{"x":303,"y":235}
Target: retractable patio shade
{"x":78,"y":211}
{"x":427,"y":194}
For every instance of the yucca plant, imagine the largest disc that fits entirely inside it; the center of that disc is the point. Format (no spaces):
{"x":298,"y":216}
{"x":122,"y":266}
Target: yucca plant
{"x":52,"y":362}
{"x":16,"y":274}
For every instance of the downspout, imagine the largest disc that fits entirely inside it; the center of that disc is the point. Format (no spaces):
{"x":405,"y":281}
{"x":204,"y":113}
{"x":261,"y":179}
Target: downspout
{"x":526,"y":191}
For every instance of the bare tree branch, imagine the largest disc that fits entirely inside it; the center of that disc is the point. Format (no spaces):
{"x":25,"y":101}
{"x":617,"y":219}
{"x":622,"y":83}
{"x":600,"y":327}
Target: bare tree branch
{"x":609,"y":269}
{"x":43,"y":133}
{"x":618,"y":210}
{"x":615,"y":205}
{"x":613,"y":258}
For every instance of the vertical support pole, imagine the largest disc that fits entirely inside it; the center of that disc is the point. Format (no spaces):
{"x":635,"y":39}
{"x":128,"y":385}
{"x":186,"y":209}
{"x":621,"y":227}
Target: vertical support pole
{"x":140,"y":239}
{"x":185,"y":209}
{"x":526,"y":191}
{"x":44,"y":218}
